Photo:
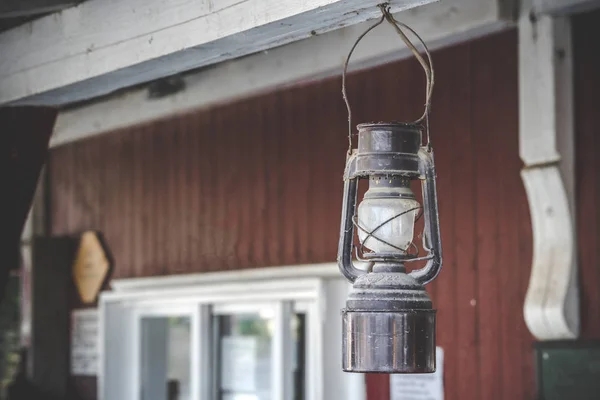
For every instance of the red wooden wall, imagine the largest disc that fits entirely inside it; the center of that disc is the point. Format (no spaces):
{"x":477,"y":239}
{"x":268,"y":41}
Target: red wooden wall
{"x":586,"y":30}
{"x":258,"y":183}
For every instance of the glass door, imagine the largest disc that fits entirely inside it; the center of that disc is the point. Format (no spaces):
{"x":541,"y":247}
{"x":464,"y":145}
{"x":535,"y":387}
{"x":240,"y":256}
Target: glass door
{"x":230,"y":340}
{"x":223,"y":351}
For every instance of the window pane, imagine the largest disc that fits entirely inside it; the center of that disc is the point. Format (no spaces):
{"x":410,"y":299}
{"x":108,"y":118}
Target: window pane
{"x":245,"y":348}
{"x":166,"y":358}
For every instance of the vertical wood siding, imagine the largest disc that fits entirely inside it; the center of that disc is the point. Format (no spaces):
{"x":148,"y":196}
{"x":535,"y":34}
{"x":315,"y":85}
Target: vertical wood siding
{"x":586,"y":30}
{"x":258,"y":183}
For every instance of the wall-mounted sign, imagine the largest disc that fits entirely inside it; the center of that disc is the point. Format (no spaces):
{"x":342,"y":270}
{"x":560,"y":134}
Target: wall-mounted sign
{"x":90,"y":267}
{"x":84,"y":342}
{"x":245,"y":365}
{"x":568,"y":369}
{"x":420,"y":386}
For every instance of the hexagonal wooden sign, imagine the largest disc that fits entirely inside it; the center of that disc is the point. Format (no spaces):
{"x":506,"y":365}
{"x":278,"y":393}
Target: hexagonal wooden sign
{"x":90,"y":267}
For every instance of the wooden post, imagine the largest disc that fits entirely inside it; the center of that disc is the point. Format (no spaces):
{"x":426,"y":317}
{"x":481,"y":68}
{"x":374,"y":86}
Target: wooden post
{"x":546,"y":146}
{"x":51,"y":284}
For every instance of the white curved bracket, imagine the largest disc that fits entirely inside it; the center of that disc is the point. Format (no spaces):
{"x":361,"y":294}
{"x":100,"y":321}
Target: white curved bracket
{"x":546,"y":144}
{"x":551,"y":305}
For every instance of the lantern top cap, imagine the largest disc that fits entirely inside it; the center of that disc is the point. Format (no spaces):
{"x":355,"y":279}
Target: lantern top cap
{"x":390,"y":125}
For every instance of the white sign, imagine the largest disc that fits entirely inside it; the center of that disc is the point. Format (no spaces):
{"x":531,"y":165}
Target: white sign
{"x":420,"y":386}
{"x":245,"y":365}
{"x":84,"y":342}
{"x":238,"y":363}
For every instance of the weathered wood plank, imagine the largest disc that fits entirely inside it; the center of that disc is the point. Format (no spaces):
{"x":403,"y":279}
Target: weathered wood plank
{"x":99,"y":47}
{"x":455,"y":285}
{"x":513,"y":381}
{"x":488,"y":171}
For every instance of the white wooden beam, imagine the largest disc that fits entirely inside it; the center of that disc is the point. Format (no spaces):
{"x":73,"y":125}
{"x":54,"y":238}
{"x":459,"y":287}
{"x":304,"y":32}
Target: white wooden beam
{"x":547,"y":148}
{"x":441,"y":23}
{"x":562,"y":7}
{"x":102,"y":46}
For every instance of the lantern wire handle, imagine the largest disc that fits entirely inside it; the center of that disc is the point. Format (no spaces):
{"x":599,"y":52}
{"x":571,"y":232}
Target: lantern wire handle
{"x":427,"y":65}
{"x":344,"y":94}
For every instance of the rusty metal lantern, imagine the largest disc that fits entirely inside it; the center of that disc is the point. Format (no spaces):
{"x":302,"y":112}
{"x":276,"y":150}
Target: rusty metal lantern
{"x":389,"y":320}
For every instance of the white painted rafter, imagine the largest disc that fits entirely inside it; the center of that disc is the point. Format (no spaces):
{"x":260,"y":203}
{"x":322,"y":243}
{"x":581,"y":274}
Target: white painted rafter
{"x":546,"y":135}
{"x":98,"y":47}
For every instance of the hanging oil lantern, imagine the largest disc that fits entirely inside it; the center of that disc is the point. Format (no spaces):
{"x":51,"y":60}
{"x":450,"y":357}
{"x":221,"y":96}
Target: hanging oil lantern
{"x":389,"y":320}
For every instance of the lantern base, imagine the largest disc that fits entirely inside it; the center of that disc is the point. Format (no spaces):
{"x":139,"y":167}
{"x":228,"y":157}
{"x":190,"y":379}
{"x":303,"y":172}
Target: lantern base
{"x":398,"y":342}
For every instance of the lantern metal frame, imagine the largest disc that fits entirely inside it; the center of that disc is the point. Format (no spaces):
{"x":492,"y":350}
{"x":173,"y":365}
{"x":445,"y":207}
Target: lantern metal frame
{"x":389,"y":320}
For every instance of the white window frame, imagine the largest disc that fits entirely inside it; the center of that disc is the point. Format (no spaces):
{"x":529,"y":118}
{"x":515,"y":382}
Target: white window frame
{"x":318,"y":290}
